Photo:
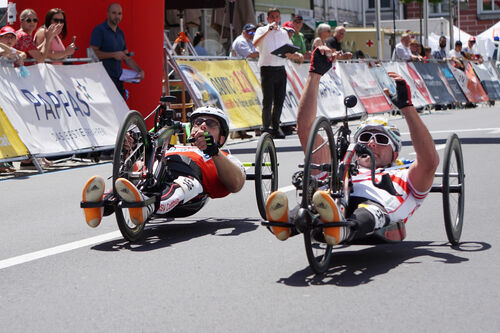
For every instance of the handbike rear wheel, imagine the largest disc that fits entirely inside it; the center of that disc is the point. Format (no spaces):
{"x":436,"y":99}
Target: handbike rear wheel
{"x":320,"y":167}
{"x":453,"y":189}
{"x":132,"y":151}
{"x":266,"y":171}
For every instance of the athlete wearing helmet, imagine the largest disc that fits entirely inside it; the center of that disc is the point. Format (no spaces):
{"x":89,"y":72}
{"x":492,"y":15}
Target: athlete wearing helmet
{"x":370,"y":207}
{"x":192,"y":171}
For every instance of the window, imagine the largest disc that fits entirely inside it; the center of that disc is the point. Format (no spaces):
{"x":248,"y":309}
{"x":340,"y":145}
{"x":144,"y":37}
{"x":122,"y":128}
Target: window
{"x":439,"y":9}
{"x":488,"y":6}
{"x":384,"y":4}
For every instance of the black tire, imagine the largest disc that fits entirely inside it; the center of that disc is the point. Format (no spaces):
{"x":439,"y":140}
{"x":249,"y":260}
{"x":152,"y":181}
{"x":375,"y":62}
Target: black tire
{"x":133,"y":133}
{"x":318,"y":253}
{"x":266,"y":171}
{"x":453,"y":189}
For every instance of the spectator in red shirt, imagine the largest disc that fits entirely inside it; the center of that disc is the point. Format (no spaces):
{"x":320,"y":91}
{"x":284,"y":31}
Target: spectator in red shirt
{"x":29,"y":21}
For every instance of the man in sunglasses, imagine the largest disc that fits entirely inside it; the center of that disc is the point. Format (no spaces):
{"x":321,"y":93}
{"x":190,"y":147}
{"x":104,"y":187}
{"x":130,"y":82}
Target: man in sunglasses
{"x":192,"y":172}
{"x":243,"y":46}
{"x":370,"y":207}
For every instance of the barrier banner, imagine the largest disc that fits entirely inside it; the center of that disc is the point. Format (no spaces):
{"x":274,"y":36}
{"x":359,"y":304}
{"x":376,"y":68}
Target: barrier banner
{"x":435,"y":85}
{"x":228,"y":84}
{"x":10,"y":144}
{"x":366,"y":87}
{"x":61,"y":109}
{"x":488,"y":79}
{"x":397,"y":67}
{"x":474,"y":85}
{"x":452,"y":84}
{"x":419,"y":83}
{"x":383,"y":79}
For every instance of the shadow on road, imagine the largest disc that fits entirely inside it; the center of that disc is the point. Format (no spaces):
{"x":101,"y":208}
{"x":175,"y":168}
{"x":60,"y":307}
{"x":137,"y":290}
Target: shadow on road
{"x":164,"y":234}
{"x":349,"y":268}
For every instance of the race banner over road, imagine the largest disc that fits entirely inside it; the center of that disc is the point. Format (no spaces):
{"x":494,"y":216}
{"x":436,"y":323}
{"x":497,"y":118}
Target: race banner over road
{"x":60,"y":109}
{"x":227,"y":84}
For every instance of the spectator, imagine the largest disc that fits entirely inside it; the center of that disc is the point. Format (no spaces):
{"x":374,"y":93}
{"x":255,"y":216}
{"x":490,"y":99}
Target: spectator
{"x":415,"y":55}
{"x":441,"y":53}
{"x":198,"y":38}
{"x":108,"y":42}
{"x":402,"y":51}
{"x":8,"y":39}
{"x":25,"y":43}
{"x":298,"y":38}
{"x":243,"y":46}
{"x":457,"y":56}
{"x":471,"y":52}
{"x":428,"y":53}
{"x":272,"y":70}
{"x":335,"y":43}
{"x":57,"y":50}
{"x":323,"y":31}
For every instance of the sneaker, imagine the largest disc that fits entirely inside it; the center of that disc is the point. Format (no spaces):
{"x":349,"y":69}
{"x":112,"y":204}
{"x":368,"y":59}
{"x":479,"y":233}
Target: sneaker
{"x":329,"y":213}
{"x":277,"y":211}
{"x":129,"y":193}
{"x":93,"y":191}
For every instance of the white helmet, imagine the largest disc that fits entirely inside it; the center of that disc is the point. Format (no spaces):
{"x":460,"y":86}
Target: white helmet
{"x":217,"y":113}
{"x":380,"y":124}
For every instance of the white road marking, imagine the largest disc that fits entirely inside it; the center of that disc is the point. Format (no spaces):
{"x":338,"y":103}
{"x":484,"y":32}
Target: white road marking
{"x":58,"y":249}
{"x":491,"y":129}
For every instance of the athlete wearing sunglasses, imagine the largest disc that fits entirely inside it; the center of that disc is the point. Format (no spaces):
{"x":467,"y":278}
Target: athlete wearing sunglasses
{"x":370,"y":207}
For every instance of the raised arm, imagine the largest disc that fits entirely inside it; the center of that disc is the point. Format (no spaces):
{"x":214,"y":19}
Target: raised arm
{"x":422,"y":171}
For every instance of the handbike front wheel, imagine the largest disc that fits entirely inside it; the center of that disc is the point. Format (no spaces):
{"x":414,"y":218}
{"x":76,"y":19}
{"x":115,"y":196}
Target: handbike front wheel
{"x":453,"y":189}
{"x":266,"y":171}
{"x":320,"y":167}
{"x":132,"y":149}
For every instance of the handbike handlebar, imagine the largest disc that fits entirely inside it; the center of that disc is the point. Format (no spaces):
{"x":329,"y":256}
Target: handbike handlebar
{"x":385,"y":182}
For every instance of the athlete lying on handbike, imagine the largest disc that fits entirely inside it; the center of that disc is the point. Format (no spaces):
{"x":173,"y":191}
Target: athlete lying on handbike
{"x":370,"y":208}
{"x":200,"y":169}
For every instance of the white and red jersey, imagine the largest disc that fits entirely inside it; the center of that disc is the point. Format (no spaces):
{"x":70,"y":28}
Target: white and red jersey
{"x":399,"y":208}
{"x":211,"y":183}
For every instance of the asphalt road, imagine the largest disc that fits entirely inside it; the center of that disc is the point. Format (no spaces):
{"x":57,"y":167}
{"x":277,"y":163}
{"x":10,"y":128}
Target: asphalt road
{"x":220,"y":271}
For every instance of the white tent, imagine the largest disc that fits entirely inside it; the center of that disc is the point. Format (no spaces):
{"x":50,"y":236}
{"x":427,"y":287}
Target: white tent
{"x":489,"y":36}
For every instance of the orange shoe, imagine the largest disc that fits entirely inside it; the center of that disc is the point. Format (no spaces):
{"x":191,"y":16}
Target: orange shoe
{"x":129,"y":193}
{"x":93,"y":191}
{"x":329,"y":213}
{"x":277,"y":211}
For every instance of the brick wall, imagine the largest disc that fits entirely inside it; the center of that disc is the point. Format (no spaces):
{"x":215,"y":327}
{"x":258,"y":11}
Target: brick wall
{"x":469,"y":21}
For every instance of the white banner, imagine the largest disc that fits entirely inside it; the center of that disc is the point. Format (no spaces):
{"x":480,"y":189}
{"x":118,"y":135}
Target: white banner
{"x":417,"y":98}
{"x":60,"y":109}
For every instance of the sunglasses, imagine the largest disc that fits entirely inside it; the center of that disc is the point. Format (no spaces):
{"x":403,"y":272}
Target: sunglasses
{"x":212,"y":123}
{"x":380,"y":138}
{"x":29,"y":20}
{"x":251,"y":32}
{"x":58,"y":20}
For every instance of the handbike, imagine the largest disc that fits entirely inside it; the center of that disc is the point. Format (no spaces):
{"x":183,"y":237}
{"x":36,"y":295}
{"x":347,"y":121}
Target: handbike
{"x":336,"y":177}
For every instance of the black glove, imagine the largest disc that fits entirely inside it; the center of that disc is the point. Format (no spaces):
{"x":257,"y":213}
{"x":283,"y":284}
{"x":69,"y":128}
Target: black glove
{"x":212,"y":147}
{"x":320,"y":63}
{"x":403,"y":95}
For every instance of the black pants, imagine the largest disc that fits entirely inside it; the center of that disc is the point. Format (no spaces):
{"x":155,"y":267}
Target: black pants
{"x":273,"y":82}
{"x":119,"y":85}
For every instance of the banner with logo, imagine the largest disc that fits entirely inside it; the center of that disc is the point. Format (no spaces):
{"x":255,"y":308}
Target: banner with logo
{"x":474,"y":85}
{"x":383,"y":79}
{"x":419,"y":83}
{"x":488,"y":78}
{"x":366,"y":87}
{"x":228,"y":84}
{"x":451,"y":83}
{"x":60,"y":109}
{"x":417,"y":98}
{"x":10,"y":144}
{"x":435,"y":85}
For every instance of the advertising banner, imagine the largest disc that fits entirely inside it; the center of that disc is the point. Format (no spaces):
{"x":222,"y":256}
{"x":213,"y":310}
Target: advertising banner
{"x":489,"y":79}
{"x":437,"y":88}
{"x":10,"y":144}
{"x":419,"y":83}
{"x":383,"y":79}
{"x":452,"y":84}
{"x":60,"y":109}
{"x":228,"y":84}
{"x":417,"y":98}
{"x":474,"y":85}
{"x":366,"y":87}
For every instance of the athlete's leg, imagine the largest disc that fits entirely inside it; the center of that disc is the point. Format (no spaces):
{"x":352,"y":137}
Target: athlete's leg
{"x":93,"y":191}
{"x":182,"y":190}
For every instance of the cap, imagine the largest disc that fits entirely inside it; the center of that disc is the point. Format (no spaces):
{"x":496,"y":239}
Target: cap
{"x":298,"y":17}
{"x":249,"y":26}
{"x":7,"y":30}
{"x":413,"y":41}
{"x":288,"y":26}
{"x":472,"y":39}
